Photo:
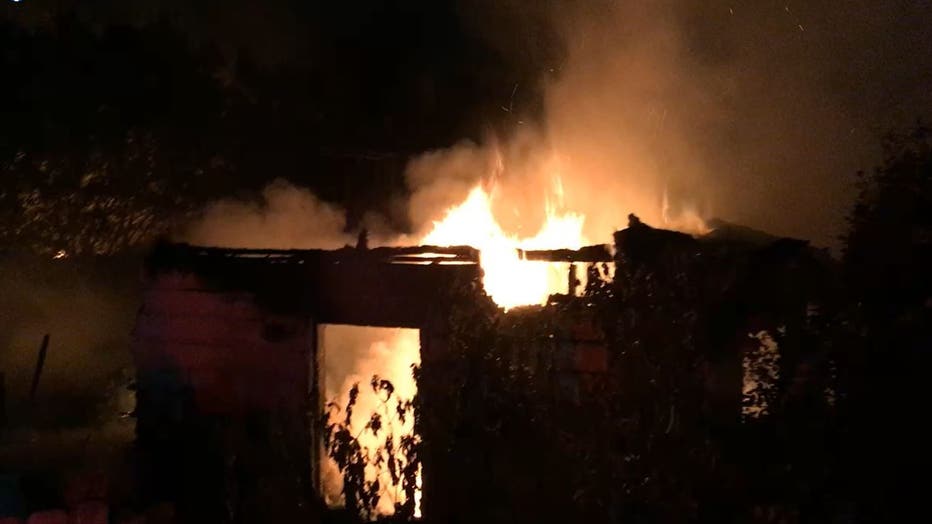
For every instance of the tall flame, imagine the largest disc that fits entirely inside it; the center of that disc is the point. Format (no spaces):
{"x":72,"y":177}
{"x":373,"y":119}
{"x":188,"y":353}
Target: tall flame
{"x":509,"y":279}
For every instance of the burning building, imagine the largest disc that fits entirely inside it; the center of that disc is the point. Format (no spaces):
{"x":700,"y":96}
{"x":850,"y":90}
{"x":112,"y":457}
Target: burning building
{"x":231,"y":348}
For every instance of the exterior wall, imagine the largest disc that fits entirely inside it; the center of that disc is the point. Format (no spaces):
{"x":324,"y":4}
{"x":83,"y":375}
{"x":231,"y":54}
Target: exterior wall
{"x":223,"y":399}
{"x":214,"y":340}
{"x":226,"y":355}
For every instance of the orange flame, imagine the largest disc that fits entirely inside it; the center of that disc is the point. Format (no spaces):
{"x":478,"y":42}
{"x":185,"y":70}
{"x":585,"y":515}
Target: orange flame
{"x":509,"y":279}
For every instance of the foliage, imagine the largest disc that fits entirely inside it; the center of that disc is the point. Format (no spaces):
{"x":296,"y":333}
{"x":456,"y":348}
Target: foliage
{"x":888,"y":248}
{"x":107,"y":138}
{"x":399,"y":457}
{"x":761,"y":372}
{"x":657,"y":436}
{"x":884,"y":327}
{"x":103,"y":203}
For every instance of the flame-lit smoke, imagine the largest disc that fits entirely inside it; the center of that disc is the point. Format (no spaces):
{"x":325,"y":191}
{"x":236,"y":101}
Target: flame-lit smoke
{"x":758,"y":113}
{"x":285,"y":217}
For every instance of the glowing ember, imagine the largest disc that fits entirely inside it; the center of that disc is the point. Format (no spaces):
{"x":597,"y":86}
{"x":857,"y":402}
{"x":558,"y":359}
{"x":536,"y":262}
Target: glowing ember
{"x":508,"y":279}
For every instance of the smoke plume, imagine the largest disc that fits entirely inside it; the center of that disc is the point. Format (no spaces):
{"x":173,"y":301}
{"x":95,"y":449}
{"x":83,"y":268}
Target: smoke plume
{"x":755,"y":113}
{"x":285,"y":217}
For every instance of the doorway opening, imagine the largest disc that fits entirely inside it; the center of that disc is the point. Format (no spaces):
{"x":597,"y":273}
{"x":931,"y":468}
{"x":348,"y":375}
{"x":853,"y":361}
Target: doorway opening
{"x":369,"y":446}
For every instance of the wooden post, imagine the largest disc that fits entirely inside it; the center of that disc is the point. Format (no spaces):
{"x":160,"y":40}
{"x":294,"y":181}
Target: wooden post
{"x":40,"y":363}
{"x":572,"y":281}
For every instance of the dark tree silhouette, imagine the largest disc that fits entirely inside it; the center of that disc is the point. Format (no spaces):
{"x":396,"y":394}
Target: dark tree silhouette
{"x":888,"y":249}
{"x":106,"y":137}
{"x":888,"y":261}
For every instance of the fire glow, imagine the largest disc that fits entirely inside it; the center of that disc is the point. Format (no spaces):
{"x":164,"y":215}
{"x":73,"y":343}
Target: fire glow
{"x":352,"y":356}
{"x":509,"y":279}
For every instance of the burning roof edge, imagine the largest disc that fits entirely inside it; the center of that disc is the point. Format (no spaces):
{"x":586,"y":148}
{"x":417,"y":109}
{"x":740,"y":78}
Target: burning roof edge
{"x":169,"y":255}
{"x":637,"y":237}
